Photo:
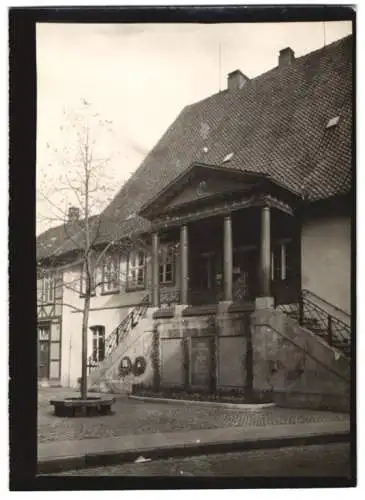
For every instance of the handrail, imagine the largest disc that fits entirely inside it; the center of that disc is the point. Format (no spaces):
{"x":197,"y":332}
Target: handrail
{"x":309,"y":292}
{"x":330,"y":317}
{"x":118,"y":334}
{"x":314,"y":317}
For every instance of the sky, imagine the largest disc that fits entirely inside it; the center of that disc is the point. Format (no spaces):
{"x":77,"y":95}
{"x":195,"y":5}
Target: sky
{"x":141,"y":76}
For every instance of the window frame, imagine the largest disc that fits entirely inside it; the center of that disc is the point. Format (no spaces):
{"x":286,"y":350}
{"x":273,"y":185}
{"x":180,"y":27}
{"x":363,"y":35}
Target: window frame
{"x":132,"y":285}
{"x":48,"y":297}
{"x":98,"y":333}
{"x":282,"y":272}
{"x":108,"y":260}
{"x":82,"y":282}
{"x":167,"y":256}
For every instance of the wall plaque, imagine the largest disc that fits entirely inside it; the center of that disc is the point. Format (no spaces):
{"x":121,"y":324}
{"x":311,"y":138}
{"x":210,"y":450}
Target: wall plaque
{"x":201,"y":362}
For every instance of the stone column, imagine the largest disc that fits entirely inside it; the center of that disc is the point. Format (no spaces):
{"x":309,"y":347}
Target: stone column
{"x":184,"y":255}
{"x":155,"y":271}
{"x":227,"y":258}
{"x":265,"y":252}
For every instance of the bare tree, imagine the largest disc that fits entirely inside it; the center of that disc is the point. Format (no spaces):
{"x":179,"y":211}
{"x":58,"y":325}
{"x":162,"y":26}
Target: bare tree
{"x":83,"y":184}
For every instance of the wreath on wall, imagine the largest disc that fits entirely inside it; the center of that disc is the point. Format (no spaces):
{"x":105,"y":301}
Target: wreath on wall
{"x":139,"y":366}
{"x":125,"y":367}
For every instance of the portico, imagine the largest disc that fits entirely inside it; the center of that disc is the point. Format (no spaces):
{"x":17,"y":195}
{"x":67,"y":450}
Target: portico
{"x":235,"y":241}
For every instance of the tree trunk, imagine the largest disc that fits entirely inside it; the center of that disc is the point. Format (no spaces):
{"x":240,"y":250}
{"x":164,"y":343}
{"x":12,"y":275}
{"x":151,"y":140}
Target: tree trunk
{"x":85,"y":320}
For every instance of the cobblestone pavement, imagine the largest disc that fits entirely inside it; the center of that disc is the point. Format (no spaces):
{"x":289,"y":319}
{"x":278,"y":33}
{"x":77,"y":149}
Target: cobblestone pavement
{"x":330,"y":460}
{"x":137,"y":417}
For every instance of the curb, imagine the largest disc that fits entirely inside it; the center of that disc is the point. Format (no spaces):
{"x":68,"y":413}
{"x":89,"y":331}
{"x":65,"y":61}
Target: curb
{"x":62,"y":464}
{"x":237,"y":406}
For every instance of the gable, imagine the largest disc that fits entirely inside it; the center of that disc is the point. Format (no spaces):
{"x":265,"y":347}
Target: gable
{"x":204,"y":187}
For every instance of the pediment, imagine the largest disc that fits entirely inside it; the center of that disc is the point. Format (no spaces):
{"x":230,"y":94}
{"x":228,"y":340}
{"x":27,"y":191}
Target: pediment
{"x":198,"y":185}
{"x":200,"y":189}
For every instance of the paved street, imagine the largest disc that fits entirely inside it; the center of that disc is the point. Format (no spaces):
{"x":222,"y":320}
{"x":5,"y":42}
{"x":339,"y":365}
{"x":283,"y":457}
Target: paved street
{"x":330,"y":460}
{"x":137,"y":417}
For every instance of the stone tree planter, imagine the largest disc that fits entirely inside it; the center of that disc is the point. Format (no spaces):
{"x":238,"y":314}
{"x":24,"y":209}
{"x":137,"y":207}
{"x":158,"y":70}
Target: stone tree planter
{"x":76,"y":406}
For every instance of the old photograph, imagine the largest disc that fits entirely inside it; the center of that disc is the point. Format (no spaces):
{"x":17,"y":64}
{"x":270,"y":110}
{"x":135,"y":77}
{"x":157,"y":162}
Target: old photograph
{"x":195,"y":205}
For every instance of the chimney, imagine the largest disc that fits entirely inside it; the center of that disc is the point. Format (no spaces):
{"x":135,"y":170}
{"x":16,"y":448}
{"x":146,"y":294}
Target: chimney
{"x":286,"y":57}
{"x":73,"y":214}
{"x":236,"y":80}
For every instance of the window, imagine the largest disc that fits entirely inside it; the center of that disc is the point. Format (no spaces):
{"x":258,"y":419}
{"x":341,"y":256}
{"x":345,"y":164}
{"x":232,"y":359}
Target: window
{"x":110,"y":273}
{"x":333,"y":122}
{"x":83,"y":280}
{"x":98,"y":343}
{"x":280,"y":268}
{"x":46,"y":288}
{"x":167,"y":264}
{"x":136,"y":270}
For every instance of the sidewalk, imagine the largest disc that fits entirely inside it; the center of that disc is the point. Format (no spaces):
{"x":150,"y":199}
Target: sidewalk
{"x":75,"y":454}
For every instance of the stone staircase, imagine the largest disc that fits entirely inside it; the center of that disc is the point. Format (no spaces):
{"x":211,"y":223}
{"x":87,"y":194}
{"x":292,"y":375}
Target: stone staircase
{"x":118,"y":342}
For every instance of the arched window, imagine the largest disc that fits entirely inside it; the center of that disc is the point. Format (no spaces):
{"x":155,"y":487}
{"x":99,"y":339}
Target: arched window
{"x":98,"y":343}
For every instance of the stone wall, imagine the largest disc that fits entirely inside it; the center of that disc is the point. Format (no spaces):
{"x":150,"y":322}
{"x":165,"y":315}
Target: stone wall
{"x":296,"y":366}
{"x":224,"y":333}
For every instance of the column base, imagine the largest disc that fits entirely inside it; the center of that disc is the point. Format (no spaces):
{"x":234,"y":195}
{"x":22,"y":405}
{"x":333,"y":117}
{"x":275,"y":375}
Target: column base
{"x":179,"y":308}
{"x":264,"y":303}
{"x":223,"y":306}
{"x":150,"y":312}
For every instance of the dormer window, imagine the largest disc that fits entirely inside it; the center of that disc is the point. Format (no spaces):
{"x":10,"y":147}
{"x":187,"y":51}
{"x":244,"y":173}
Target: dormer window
{"x":333,"y":122}
{"x":228,"y":157}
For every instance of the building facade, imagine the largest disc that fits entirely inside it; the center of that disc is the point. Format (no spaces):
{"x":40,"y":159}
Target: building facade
{"x":244,"y":205}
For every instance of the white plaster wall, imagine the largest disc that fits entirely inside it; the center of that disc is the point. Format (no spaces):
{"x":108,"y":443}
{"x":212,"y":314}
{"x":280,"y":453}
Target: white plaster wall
{"x":107,"y":310}
{"x":326,"y":259}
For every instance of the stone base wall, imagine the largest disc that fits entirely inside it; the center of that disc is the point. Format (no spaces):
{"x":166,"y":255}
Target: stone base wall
{"x":296,"y":366}
{"x":221,"y":335}
{"x":264,"y":351}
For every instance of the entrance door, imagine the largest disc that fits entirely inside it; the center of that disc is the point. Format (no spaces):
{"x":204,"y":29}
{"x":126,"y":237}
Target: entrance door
{"x":43,"y":352}
{"x":206,"y":280}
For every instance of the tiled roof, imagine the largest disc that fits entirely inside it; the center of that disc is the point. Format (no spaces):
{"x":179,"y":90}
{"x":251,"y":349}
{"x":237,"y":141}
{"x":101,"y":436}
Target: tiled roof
{"x":61,"y":239}
{"x":276,"y":124}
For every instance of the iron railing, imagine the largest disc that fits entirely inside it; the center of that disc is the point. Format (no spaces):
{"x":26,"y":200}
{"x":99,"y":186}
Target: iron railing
{"x":120,"y":332}
{"x":310,"y":314}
